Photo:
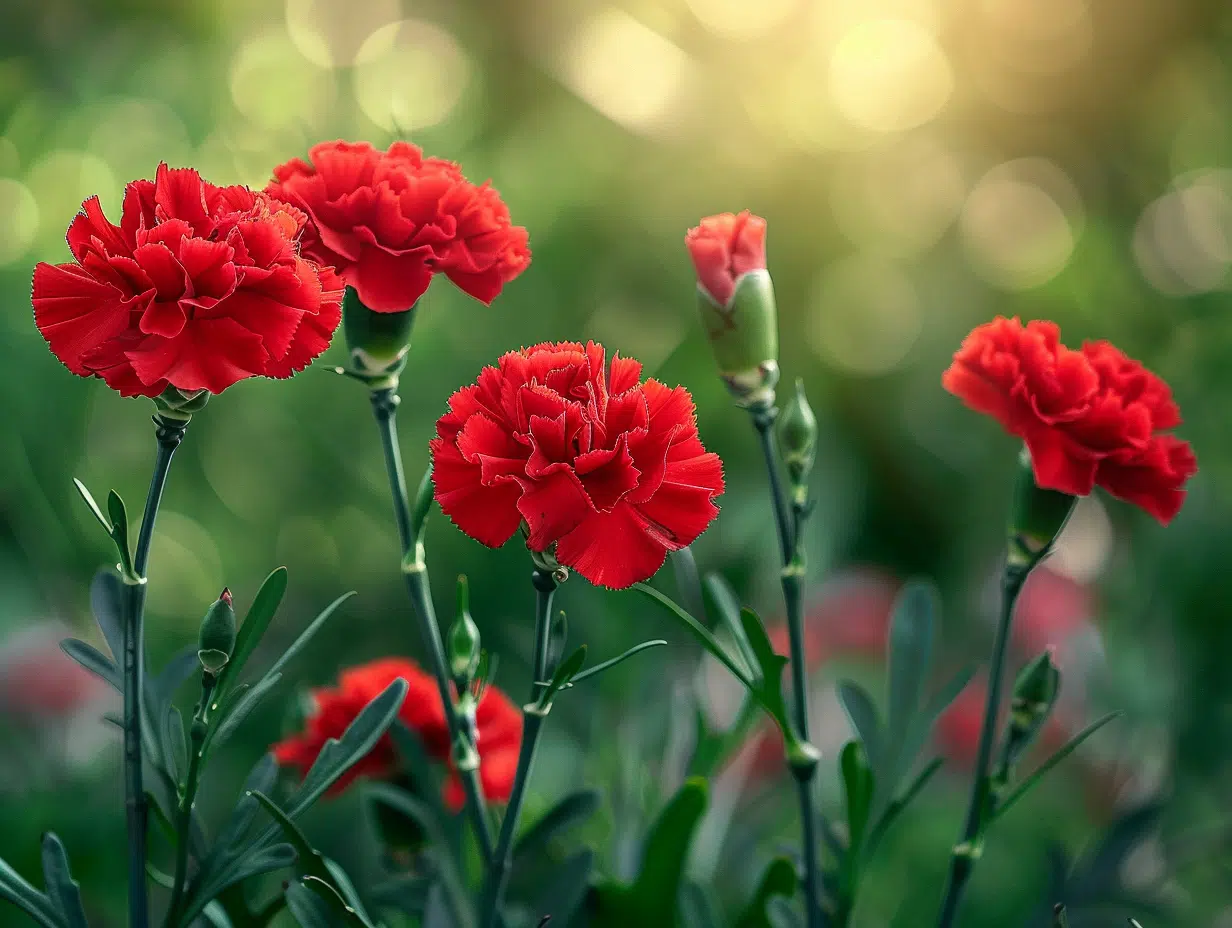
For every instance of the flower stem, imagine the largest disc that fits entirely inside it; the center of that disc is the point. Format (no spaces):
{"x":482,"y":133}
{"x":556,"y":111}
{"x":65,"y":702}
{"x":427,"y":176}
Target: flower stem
{"x":532,"y":716}
{"x":792,"y":576}
{"x":183,"y":824}
{"x":415,"y":574}
{"x":168,"y":434}
{"x":970,"y":845}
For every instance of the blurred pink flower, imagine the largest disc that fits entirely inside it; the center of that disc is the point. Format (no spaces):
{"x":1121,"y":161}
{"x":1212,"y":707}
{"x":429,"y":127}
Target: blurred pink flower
{"x":39,"y":683}
{"x":1051,"y":610}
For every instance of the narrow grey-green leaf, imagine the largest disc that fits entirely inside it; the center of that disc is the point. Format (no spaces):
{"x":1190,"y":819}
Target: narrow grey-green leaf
{"x":183,"y":665}
{"x":569,"y":812}
{"x":62,"y":890}
{"x":176,"y":747}
{"x":771,"y":664}
{"x":107,"y":604}
{"x":612,"y":662}
{"x":233,"y":717}
{"x":251,"y":630}
{"x":119,"y":528}
{"x":688,"y":581}
{"x":425,"y":773}
{"x":19,"y":892}
{"x":700,"y":632}
{"x":568,"y":668}
{"x":308,"y":908}
{"x":94,"y":507}
{"x":912,"y":630}
{"x":860,"y":710}
{"x":666,"y":850}
{"x":93,"y":660}
{"x":858,"y":785}
{"x":306,"y":635}
{"x":728,"y":608}
{"x":564,"y":893}
{"x":1070,"y":746}
{"x":780,"y":914}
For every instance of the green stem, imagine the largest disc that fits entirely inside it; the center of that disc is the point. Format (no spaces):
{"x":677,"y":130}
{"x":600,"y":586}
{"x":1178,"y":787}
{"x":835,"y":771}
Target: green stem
{"x":183,"y":824}
{"x":169,"y":433}
{"x":969,"y":847}
{"x":532,"y":716}
{"x":792,"y":576}
{"x":415,"y":574}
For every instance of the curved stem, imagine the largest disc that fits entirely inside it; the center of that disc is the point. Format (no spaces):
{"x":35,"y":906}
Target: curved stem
{"x":967,"y":850}
{"x":532,"y":716}
{"x":415,"y":574}
{"x":183,"y":824}
{"x":793,"y":596}
{"x":169,"y":433}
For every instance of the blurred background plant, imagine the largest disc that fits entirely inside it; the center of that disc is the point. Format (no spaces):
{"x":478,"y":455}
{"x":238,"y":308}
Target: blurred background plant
{"x":923,"y":164}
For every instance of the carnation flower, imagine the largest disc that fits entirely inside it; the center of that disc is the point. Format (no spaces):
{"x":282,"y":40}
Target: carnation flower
{"x":388,"y":221}
{"x":197,"y":288}
{"x":498,"y":721}
{"x":1088,"y":418}
{"x":602,"y":469}
{"x":724,"y":248}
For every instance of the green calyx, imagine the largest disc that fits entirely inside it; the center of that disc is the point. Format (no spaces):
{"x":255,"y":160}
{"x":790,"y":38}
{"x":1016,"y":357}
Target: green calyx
{"x":216,"y":640}
{"x":744,"y":337}
{"x":1037,"y":518}
{"x":797,"y":427}
{"x":463,"y":641}
{"x":378,"y":342}
{"x":174,"y":403}
{"x":1035,"y":691}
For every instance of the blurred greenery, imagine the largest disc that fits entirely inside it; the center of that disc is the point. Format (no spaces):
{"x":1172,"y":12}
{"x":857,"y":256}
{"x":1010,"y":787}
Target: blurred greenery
{"x":923,"y":165}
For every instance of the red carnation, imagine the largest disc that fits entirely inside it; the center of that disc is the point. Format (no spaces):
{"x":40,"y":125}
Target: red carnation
{"x":390,"y":220}
{"x":725,"y":247}
{"x":1089,"y":417}
{"x":606,"y":468}
{"x":498,"y":721}
{"x":197,"y":288}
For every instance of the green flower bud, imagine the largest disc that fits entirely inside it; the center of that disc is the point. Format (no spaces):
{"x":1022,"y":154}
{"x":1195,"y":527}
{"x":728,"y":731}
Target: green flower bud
{"x":217,"y":638}
{"x":1035,"y":692}
{"x":744,"y":337}
{"x":798,"y":441}
{"x":1038,"y":515}
{"x":378,"y":341}
{"x":463,"y":641}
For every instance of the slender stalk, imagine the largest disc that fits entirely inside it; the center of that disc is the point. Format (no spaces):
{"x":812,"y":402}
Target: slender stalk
{"x":168,"y":434}
{"x":792,"y":575}
{"x":532,"y":721}
{"x":969,"y":847}
{"x":183,"y":824}
{"x":415,"y":574}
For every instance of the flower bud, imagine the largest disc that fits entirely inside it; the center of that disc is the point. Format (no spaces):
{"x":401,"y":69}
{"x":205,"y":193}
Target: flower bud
{"x":378,"y":341}
{"x":798,"y":442}
{"x":463,"y":641}
{"x":1038,"y":515}
{"x":217,"y":638}
{"x":1035,"y":692}
{"x":736,"y":298}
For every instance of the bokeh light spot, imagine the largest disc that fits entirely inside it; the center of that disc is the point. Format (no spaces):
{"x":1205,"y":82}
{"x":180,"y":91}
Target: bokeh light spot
{"x":60,"y":181}
{"x":410,"y":75}
{"x":190,"y":568}
{"x":275,"y":86}
{"x":742,"y":19}
{"x":1183,"y":240}
{"x":866,"y":315}
{"x":1085,"y":545}
{"x":1020,"y":222}
{"x":330,"y":33}
{"x":625,"y":70}
{"x":133,"y":136}
{"x":19,"y":218}
{"x":889,"y":75}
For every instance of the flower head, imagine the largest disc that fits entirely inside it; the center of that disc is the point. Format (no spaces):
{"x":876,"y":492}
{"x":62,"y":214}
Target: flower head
{"x":724,"y":248}
{"x":498,"y":721}
{"x":594,"y":462}
{"x":388,"y":221}
{"x":1089,"y":418}
{"x":197,"y":288}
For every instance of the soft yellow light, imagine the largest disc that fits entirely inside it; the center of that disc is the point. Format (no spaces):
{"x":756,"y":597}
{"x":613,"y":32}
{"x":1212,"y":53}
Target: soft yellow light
{"x":19,"y":219}
{"x":889,"y":75}
{"x":329,"y":33}
{"x":275,"y":86}
{"x":60,"y":181}
{"x":742,"y":19}
{"x":410,"y":75}
{"x":866,"y":315}
{"x":626,"y":71}
{"x":1016,"y":225}
{"x":190,"y":564}
{"x":133,"y":136}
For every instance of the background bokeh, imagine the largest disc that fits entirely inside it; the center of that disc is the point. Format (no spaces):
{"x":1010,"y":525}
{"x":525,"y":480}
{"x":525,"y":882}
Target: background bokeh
{"x":923,"y":165}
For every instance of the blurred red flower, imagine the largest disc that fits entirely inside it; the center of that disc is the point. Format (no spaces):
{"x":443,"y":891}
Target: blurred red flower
{"x":197,"y":288}
{"x":1051,"y":609}
{"x":498,"y":721}
{"x":723,"y":248}
{"x":39,"y":682}
{"x":388,"y":221}
{"x":1090,"y":417}
{"x":604,"y":467}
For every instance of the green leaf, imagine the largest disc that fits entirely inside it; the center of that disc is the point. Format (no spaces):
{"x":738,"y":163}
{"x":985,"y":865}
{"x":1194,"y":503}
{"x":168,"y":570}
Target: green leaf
{"x":251,"y":630}
{"x":771,"y":664}
{"x":161,"y":689}
{"x":107,"y":603}
{"x":94,"y":661}
{"x":334,"y":899}
{"x":565,"y":673}
{"x":912,"y":631}
{"x":17,"y":891}
{"x":231,"y":717}
{"x":165,"y":880}
{"x":62,"y":890}
{"x":569,"y":812}
{"x":176,"y":748}
{"x":258,"y":862}
{"x":918,"y":732}
{"x":858,"y":785}
{"x":700,"y":632}
{"x":557,"y":637}
{"x":563,"y":894}
{"x":780,"y":914}
{"x":309,"y":908}
{"x":608,"y":664}
{"x":412,"y":807}
{"x":688,"y":581}
{"x":860,"y":710}
{"x":698,"y":907}
{"x":896,"y":807}
{"x":779,"y":881}
{"x":119,"y":529}
{"x":306,"y":635}
{"x":1070,"y":746}
{"x":216,"y":915}
{"x":728,"y":609}
{"x":666,"y":852}
{"x":94,"y":507}
{"x":424,"y":495}
{"x":261,"y":779}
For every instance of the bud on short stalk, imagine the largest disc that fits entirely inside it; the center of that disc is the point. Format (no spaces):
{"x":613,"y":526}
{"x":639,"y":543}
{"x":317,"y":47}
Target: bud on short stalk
{"x":463,"y":642}
{"x":798,"y":443}
{"x":216,"y":641}
{"x":1038,"y":516}
{"x":378,"y":342}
